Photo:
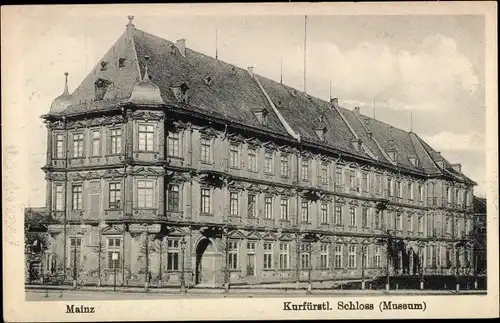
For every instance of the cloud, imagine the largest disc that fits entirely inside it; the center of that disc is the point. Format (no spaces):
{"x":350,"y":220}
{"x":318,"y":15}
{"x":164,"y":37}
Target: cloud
{"x":453,"y":141}
{"x":432,"y":76}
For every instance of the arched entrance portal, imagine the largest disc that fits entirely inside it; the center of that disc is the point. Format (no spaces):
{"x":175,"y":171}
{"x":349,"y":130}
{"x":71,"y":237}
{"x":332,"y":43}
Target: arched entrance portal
{"x":205,"y":262}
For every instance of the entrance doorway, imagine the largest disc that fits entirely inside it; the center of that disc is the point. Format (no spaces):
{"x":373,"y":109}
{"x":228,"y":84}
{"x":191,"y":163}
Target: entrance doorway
{"x":205,"y":262}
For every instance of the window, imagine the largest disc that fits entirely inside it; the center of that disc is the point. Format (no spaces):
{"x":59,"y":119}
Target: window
{"x":366,"y":258}
{"x":352,"y":179}
{"x":399,"y":191}
{"x":116,"y":141}
{"x":268,"y":255}
{"x":364,"y":182}
{"x":284,"y":255}
{"x":75,"y":253}
{"x":145,"y":194}
{"x":338,"y":256}
{"x":234,"y":156}
{"x":351,"y":257}
{"x":420,"y":193}
{"x":250,"y":258}
{"x":173,"y":197}
{"x":376,"y":257}
{"x":121,"y":62}
{"x":284,"y":209}
{"x":323,"y":256}
{"x":173,"y":144}
{"x":389,"y":186}
{"x":77,"y":197}
{"x":251,"y":206}
{"x":338,"y":215}
{"x":324,"y":173}
{"x":205,"y":150}
{"x":378,"y":184}
{"x":304,"y":170}
{"x":96,"y":143}
{"x":448,"y":225}
{"x":448,"y":194}
{"x":268,"y":162}
{"x":352,"y":213}
{"x":410,"y":190}
{"x":77,"y":145}
{"x":304,"y":211}
{"x":114,"y":247}
{"x":420,"y":223}
{"x":146,"y":137}
{"x":268,"y":207}
{"x":233,"y":204}
{"x":173,"y":254}
{"x":304,"y":260}
{"x":59,"y":198}
{"x":364,"y":217}
{"x":59,"y":146}
{"x":377,"y":219}
{"x":338,"y":176}
{"x":284,"y":166}
{"x":115,"y":192}
{"x":410,"y":222}
{"x":205,"y":201}
{"x":324,"y":213}
{"x":252,"y":160}
{"x":233,"y":254}
{"x":399,"y":222}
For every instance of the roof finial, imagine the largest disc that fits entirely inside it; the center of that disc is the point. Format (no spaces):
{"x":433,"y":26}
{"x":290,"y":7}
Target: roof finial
{"x":146,"y":75}
{"x":130,"y":18}
{"x":66,"y":83}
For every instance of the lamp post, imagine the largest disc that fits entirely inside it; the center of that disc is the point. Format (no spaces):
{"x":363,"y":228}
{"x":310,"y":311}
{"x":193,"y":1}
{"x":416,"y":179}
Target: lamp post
{"x":114,"y":256}
{"x":363,"y":250}
{"x":421,"y":262}
{"x":309,"y":283}
{"x":183,"y":248}
{"x":75,"y":272}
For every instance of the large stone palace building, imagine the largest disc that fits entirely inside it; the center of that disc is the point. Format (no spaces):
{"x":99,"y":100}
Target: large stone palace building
{"x":165,"y":164}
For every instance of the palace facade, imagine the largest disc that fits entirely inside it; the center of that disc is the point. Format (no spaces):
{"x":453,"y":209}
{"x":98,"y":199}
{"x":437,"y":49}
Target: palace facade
{"x":165,"y":165}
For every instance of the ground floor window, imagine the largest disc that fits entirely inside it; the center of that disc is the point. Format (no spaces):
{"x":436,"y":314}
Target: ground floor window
{"x":114,"y":252}
{"x":233,"y":254}
{"x":338,"y":256}
{"x":173,"y":254}
{"x":284,"y":255}
{"x":268,"y":255}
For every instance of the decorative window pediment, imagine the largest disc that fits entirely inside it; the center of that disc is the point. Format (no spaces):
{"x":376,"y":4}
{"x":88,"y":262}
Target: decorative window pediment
{"x":392,"y":154}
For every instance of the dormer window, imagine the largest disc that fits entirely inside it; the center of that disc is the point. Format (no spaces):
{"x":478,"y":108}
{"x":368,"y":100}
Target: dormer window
{"x":392,"y":155}
{"x":104,"y":65}
{"x":208,"y":80}
{"x":321,"y":132}
{"x":357,"y":144}
{"x":413,"y":161}
{"x":121,"y":62}
{"x":173,"y":49}
{"x":100,"y":87}
{"x":391,"y":142}
{"x":181,"y":92}
{"x":261,"y":116}
{"x":233,"y":70}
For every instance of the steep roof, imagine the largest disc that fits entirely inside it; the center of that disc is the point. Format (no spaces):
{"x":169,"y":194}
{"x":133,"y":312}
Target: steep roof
{"x":479,"y":205}
{"x":222,"y":90}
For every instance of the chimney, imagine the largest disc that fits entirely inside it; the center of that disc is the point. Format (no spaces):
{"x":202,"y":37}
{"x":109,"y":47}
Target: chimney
{"x":250,"y":71}
{"x":356,"y":110}
{"x":457,"y":167}
{"x":181,"y":45}
{"x":334,"y":102}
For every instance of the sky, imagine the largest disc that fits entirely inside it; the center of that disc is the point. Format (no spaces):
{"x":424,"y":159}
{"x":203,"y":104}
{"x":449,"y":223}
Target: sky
{"x":420,"y":71}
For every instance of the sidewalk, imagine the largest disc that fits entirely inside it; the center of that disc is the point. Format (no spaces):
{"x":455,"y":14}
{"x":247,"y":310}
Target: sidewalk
{"x":250,"y":291}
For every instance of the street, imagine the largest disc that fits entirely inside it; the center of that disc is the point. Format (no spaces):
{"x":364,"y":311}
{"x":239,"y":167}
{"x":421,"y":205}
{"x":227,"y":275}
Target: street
{"x":69,"y":294}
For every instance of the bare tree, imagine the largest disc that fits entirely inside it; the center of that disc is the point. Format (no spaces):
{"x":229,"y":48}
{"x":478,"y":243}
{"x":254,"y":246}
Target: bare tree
{"x":99,"y":248}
